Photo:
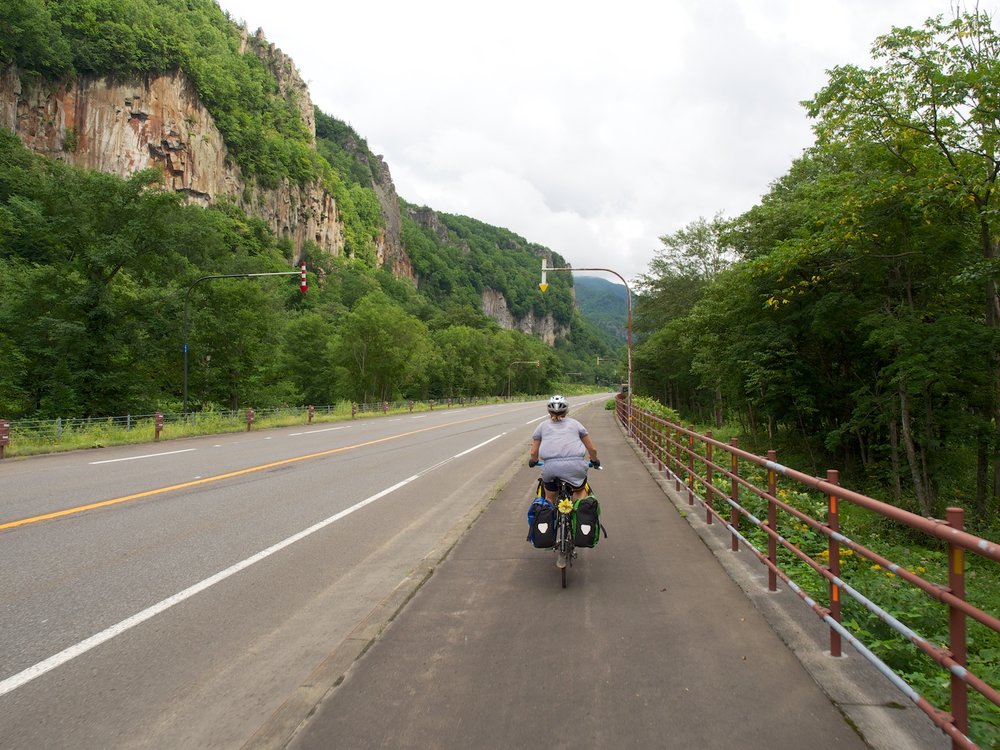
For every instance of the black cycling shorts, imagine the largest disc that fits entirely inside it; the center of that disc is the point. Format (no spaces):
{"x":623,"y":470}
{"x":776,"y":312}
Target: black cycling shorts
{"x":553,"y":485}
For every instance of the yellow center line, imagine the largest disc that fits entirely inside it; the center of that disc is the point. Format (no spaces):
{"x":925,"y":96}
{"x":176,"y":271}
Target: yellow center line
{"x":219,"y":477}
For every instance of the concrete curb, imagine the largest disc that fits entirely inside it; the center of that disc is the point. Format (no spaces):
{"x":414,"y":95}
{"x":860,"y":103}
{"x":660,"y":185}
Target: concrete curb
{"x":284,"y":724}
{"x":882,"y":716}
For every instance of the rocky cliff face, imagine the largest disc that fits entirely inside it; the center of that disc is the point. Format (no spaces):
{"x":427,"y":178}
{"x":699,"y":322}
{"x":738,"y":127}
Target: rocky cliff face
{"x":391,"y":253}
{"x":121,"y":127}
{"x":495,"y":305}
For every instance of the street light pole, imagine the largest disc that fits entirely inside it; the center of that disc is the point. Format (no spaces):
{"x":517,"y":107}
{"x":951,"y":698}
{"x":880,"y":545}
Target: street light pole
{"x":187,"y":299}
{"x":544,"y":285}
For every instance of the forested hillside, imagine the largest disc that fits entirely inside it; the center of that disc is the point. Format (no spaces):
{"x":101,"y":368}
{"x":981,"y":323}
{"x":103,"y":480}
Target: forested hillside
{"x":852,"y":316}
{"x":605,"y":304}
{"x":98,"y":274}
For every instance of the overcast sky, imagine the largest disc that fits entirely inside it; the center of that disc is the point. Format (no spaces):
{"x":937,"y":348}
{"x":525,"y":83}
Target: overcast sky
{"x":592,"y":128}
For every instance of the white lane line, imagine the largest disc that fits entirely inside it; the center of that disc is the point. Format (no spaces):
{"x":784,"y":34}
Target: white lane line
{"x":532,"y":421}
{"x":134,"y":458}
{"x":313,"y":432}
{"x":477,"y":447}
{"x":22,"y":678}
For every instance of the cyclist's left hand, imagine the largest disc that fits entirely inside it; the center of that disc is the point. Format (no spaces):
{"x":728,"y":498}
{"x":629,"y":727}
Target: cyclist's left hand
{"x":532,"y":463}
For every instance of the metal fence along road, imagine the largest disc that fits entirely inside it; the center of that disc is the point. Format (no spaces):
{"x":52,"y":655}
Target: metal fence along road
{"x":720,"y":475}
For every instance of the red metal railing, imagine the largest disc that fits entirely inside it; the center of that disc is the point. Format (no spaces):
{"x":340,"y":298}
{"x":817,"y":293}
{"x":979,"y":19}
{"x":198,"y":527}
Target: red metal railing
{"x":698,"y":465}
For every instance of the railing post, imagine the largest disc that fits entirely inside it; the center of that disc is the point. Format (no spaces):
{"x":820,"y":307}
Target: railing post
{"x":734,"y":495}
{"x":4,"y":435}
{"x":690,"y":481}
{"x":677,"y":459}
{"x":661,"y":444}
{"x":956,"y":624}
{"x":639,"y":434}
{"x":772,"y":522}
{"x":709,"y":495}
{"x":833,"y":522}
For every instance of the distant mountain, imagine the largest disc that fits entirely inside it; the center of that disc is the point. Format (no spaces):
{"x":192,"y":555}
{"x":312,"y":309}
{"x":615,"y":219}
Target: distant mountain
{"x":603,"y":303}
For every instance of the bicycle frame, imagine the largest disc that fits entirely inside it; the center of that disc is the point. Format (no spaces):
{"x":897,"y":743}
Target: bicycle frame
{"x":565,"y":549}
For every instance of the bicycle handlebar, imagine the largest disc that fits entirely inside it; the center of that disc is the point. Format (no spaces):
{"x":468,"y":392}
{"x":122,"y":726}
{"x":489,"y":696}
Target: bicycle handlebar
{"x":590,"y":465}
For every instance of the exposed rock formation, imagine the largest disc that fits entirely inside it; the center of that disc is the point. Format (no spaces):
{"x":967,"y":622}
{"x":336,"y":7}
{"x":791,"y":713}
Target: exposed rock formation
{"x":391,"y":253}
{"x":121,"y":127}
{"x":495,"y":306}
{"x":428,"y":219}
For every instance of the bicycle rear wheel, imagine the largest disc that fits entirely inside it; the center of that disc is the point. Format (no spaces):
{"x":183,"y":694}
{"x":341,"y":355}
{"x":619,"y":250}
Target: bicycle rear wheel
{"x":565,"y":547}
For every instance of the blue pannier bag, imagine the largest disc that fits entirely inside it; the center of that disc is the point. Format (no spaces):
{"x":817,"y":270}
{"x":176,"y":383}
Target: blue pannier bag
{"x":541,"y":523}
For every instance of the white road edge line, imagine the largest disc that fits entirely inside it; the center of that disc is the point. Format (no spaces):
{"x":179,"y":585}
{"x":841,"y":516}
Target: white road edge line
{"x":22,"y":678}
{"x":133,"y":458}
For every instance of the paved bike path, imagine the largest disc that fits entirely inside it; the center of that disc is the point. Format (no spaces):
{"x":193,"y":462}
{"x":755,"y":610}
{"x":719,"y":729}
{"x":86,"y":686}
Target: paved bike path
{"x":652,"y":644}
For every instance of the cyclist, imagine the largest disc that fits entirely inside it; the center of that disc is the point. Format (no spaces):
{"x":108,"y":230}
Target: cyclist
{"x":563,"y":444}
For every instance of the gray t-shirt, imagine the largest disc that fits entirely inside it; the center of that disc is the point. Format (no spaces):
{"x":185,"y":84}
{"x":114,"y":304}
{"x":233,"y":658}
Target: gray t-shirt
{"x":562,"y":450}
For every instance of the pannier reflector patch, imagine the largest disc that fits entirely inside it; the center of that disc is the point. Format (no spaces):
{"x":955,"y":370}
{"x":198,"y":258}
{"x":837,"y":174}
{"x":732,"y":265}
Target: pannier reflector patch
{"x":543,"y":527}
{"x":585,"y":528}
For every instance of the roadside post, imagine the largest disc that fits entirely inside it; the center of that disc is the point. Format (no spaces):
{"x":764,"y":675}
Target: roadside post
{"x":157,"y":425}
{"x":4,"y":435}
{"x":249,"y":419}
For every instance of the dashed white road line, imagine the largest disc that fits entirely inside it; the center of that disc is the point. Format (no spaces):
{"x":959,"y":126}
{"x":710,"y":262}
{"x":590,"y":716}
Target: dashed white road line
{"x":135,"y":458}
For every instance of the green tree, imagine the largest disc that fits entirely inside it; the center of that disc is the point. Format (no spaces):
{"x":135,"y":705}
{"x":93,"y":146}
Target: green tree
{"x":384,"y":351}
{"x":309,"y":352}
{"x":932,"y":104}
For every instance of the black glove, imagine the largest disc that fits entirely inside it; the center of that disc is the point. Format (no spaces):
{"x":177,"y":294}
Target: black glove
{"x":532,"y":463}
{"x":596,"y":463}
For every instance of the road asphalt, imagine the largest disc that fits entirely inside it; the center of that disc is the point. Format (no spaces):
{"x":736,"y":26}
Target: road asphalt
{"x":663,"y":638}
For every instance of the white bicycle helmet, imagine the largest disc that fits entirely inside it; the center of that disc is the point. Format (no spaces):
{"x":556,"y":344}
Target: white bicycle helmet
{"x":558,"y":405}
